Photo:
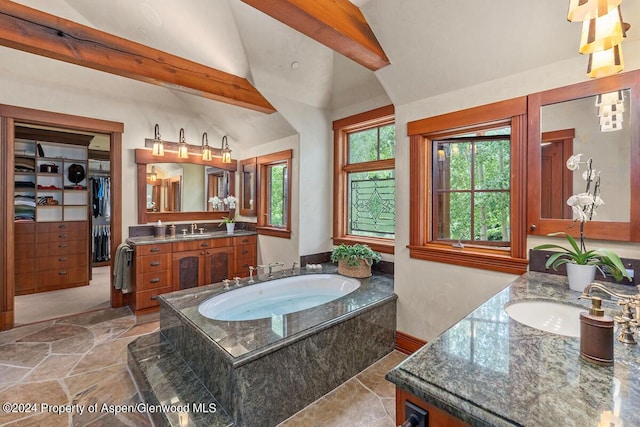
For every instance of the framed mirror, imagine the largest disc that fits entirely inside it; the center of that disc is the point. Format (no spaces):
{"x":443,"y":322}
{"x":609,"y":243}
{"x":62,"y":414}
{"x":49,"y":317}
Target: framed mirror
{"x":572,"y":120}
{"x":248,"y":179}
{"x":174,"y":189}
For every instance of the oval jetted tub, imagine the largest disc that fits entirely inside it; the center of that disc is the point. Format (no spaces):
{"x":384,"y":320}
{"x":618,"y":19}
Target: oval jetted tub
{"x":277,"y":297}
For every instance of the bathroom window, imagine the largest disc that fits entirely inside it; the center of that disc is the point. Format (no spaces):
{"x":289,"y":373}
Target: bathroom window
{"x":467,"y":183}
{"x":274,"y":203}
{"x":364,"y":179}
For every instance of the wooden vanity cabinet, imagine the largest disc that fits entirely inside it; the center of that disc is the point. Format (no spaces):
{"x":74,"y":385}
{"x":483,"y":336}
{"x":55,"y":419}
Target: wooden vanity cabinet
{"x":166,"y":267}
{"x":25,"y":258}
{"x":245,"y":250}
{"x":201,"y":262}
{"x":436,"y":417}
{"x":151,"y":275}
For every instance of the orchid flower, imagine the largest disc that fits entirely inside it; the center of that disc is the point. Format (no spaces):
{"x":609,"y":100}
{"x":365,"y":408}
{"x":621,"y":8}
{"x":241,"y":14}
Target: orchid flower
{"x":574,"y":162}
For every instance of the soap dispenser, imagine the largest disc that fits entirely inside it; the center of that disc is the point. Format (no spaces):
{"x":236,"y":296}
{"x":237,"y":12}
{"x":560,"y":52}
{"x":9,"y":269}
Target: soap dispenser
{"x":596,"y":334}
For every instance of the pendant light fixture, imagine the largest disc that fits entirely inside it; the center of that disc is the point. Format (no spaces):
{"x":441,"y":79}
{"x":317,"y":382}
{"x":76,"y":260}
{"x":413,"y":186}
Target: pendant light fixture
{"x":602,"y":33}
{"x":226,"y":152}
{"x":581,"y":10}
{"x":605,"y":62}
{"x":206,"y":150}
{"x":183,"y":151}
{"x":158,"y":145}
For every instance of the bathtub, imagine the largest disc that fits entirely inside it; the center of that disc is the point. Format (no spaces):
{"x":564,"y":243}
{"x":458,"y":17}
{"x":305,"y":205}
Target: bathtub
{"x":277,"y":297}
{"x":296,"y":356}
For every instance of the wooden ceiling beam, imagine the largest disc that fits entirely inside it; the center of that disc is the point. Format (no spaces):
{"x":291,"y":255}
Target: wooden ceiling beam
{"x":40,"y":33}
{"x":337,"y":24}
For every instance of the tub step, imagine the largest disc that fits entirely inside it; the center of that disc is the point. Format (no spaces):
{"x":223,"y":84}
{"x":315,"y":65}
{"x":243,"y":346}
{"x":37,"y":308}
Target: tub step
{"x":164,"y":379}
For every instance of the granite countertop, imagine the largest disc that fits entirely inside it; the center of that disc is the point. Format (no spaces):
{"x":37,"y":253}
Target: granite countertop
{"x":490,"y":370}
{"x":250,"y":339}
{"x":150,"y":240}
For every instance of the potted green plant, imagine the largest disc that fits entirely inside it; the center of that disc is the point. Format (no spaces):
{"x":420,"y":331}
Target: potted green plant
{"x":230,"y":223}
{"x":581,"y":264}
{"x":355,"y":260}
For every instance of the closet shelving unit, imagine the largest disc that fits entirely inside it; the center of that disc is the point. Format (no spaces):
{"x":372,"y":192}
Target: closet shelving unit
{"x":51,"y":210}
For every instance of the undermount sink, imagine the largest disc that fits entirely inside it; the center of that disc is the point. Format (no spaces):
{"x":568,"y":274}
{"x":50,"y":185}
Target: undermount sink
{"x":548,"y":316}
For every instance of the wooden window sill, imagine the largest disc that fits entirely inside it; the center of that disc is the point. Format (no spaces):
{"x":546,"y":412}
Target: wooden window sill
{"x":386,"y":246}
{"x":484,"y":259}
{"x":274,"y":232}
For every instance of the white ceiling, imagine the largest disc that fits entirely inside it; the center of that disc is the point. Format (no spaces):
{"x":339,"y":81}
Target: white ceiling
{"x":434,"y":46}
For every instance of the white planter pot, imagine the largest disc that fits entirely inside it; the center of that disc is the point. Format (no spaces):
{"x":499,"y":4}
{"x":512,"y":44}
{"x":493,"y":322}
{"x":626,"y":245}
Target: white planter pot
{"x":580,"y":276}
{"x":230,"y":227}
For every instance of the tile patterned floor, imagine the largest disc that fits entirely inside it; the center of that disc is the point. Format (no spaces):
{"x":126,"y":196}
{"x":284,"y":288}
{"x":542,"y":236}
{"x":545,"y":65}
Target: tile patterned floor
{"x":82,"y":360}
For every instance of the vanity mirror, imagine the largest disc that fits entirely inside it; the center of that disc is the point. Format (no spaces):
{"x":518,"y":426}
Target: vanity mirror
{"x":567,"y":121}
{"x":179,"y":189}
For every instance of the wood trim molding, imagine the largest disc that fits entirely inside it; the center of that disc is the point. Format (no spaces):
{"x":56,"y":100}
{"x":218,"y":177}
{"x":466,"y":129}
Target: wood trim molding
{"x":40,"y":33}
{"x":274,"y":232}
{"x":408,"y":344}
{"x":7,"y":275}
{"x":337,"y":24}
{"x":604,"y":230}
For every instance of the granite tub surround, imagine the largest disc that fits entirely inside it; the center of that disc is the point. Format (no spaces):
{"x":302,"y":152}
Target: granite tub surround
{"x":490,"y":370}
{"x":263,"y":371}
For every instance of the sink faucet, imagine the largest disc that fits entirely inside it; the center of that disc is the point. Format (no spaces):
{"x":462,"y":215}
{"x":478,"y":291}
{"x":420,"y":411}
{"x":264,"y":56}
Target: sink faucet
{"x":629,"y":320}
{"x":194,"y":227}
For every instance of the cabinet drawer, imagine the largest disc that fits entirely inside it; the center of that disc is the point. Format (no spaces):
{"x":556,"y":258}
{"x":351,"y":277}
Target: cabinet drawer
{"x":24,"y":265}
{"x":142,"y":250}
{"x":241,"y":266}
{"x":24,"y":250}
{"x":144,"y":299}
{"x":53,"y":278}
{"x":21,"y":228}
{"x":52,"y":227}
{"x":62,"y":236}
{"x":62,"y":248}
{"x":153,"y":280}
{"x":25,"y":283}
{"x":62,"y":262}
{"x":147,"y":264}
{"x":196,"y":244}
{"x":245,"y":240}
{"x":244,"y":251}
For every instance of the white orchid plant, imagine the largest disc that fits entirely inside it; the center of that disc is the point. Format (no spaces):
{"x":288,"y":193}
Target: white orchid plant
{"x":584,"y":207}
{"x":215,"y":201}
{"x":230,"y":201}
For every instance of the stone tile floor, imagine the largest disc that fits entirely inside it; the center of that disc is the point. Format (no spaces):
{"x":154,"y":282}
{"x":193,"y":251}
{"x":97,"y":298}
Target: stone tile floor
{"x":82,"y":360}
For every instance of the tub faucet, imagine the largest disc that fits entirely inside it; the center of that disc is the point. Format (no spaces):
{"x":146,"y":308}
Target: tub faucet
{"x":274,"y":264}
{"x":293,"y":267}
{"x":251,"y":270}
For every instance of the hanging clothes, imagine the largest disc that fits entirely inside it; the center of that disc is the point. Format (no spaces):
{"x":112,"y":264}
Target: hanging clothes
{"x":101,"y":196}
{"x":101,"y":243}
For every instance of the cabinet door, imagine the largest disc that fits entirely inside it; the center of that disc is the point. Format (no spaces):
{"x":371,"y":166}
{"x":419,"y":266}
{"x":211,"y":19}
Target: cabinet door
{"x":188,"y":269}
{"x":218,"y":265}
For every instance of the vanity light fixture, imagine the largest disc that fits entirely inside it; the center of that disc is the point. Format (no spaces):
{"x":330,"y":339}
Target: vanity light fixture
{"x":158,"y":145}
{"x":183,"y":151}
{"x":206,"y":150}
{"x":610,"y":98}
{"x":226,"y":152}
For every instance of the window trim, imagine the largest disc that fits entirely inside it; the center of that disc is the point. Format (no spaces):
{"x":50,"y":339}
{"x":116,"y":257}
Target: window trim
{"x":263,"y":164}
{"x":341,"y":168}
{"x":421,"y":134}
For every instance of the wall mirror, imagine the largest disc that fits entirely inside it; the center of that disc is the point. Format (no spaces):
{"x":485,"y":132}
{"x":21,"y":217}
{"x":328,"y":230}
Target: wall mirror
{"x":568,"y":121}
{"x":174,"y":189}
{"x":248,"y":182}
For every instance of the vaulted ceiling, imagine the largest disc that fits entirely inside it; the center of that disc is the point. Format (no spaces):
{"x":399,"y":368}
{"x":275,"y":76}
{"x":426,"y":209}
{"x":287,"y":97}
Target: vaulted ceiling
{"x":434,"y":47}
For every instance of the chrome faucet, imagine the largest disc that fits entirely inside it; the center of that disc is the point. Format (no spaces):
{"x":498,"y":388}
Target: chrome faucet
{"x":629,"y":320}
{"x":293,"y":267}
{"x":194,"y":227}
{"x":274,"y":264}
{"x":251,"y":270}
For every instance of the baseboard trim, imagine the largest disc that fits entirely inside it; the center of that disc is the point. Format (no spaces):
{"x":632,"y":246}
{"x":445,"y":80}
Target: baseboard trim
{"x":408,"y":344}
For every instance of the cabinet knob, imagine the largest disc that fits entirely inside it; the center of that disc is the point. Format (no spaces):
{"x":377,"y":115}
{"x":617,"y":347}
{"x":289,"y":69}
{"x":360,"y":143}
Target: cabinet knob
{"x":62,"y":245}
{"x":204,"y":245}
{"x":154,"y":280}
{"x":62,"y":273}
{"x":155,"y":250}
{"x":62,"y":226}
{"x":155,"y":263}
{"x":245,"y":252}
{"x":62,"y":236}
{"x":532,"y":227}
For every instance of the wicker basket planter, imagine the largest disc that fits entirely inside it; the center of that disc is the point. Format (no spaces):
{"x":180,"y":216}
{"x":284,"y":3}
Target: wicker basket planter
{"x":362,"y":270}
